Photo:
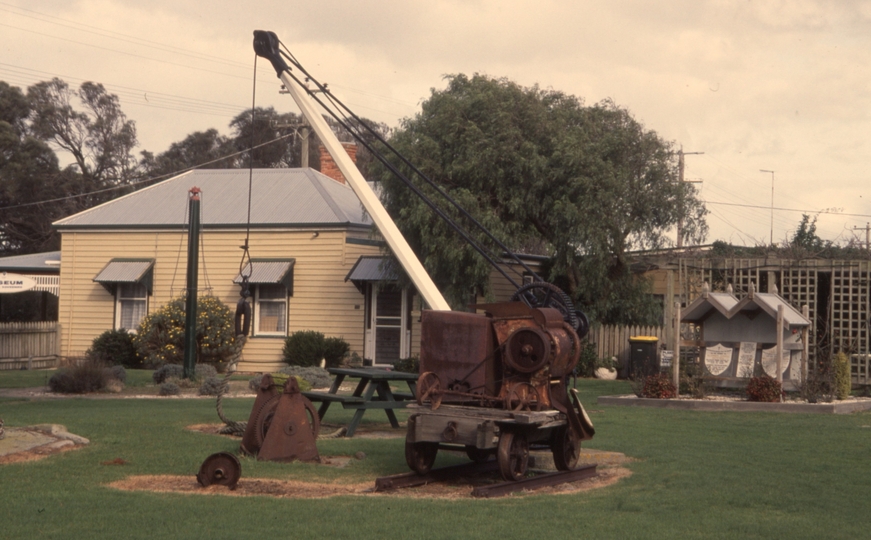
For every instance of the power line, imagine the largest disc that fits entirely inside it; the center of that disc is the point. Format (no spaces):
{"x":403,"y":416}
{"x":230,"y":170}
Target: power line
{"x":804,"y":211}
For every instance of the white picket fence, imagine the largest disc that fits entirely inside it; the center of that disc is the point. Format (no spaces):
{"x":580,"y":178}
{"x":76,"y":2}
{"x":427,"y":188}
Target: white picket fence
{"x":30,"y":345}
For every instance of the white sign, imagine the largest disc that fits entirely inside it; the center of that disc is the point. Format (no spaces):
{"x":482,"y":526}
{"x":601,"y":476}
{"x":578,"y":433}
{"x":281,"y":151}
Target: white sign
{"x":795,"y":366}
{"x":746,"y":359}
{"x":665,"y":359}
{"x":769,"y":361}
{"x":15,"y":283}
{"x":718,"y":358}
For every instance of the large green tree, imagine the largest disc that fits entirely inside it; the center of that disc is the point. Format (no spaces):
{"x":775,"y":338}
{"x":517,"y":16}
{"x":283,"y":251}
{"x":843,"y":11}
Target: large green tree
{"x":584,"y":184}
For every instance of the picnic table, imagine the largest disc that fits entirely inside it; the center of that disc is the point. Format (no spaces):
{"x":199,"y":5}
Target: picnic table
{"x":372,"y":392}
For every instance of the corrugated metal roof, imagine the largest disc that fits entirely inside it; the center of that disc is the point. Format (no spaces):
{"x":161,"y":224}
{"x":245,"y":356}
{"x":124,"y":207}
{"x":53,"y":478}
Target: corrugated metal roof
{"x":768,"y":302}
{"x":296,"y":197}
{"x":267,"y":271}
{"x":698,"y":309}
{"x":48,"y":261}
{"x":124,"y":271}
{"x":369,"y":268}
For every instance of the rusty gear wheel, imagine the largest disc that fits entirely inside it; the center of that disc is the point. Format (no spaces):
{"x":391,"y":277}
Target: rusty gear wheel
{"x":429,"y":388}
{"x":222,"y":469}
{"x":546,"y":295}
{"x":264,"y":419}
{"x":522,"y":397}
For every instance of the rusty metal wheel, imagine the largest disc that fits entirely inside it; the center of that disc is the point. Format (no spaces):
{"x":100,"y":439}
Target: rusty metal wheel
{"x":512,"y":455}
{"x":420,"y":455}
{"x":527,"y":350}
{"x":429,"y":388}
{"x":542,"y":294}
{"x":478,"y":455}
{"x":522,"y":397}
{"x":566,"y":448}
{"x":222,"y":469}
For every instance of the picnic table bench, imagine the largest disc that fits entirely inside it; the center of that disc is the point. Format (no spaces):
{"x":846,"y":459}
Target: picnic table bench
{"x":372,"y":392}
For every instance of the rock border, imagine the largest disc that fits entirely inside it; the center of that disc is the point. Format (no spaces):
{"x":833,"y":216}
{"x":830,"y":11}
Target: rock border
{"x":845,"y":407}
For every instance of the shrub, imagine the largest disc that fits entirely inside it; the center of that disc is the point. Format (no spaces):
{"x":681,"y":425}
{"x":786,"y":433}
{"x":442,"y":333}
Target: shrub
{"x":168,"y":371}
{"x":211,"y":386}
{"x":115,"y":347}
{"x":116,"y":372}
{"x":335,"y":351}
{"x":408,"y":365}
{"x":658,"y":386}
{"x":161,"y":337}
{"x":316,"y":377}
{"x":169,"y":389}
{"x":588,"y":361}
{"x":308,"y":348}
{"x":842,"y":380}
{"x":279,"y":379}
{"x":89,"y":376}
{"x":764,"y":388}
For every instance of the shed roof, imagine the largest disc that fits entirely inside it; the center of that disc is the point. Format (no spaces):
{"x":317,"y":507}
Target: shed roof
{"x":729,"y":306}
{"x":47,"y":262}
{"x":279,"y":197}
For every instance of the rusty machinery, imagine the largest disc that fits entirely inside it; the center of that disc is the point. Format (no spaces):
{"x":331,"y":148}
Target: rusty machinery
{"x":492,"y":382}
{"x":283,"y":424}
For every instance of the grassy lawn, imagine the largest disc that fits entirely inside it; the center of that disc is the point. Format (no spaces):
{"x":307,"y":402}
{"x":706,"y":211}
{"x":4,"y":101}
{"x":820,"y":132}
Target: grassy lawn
{"x":697,"y":475}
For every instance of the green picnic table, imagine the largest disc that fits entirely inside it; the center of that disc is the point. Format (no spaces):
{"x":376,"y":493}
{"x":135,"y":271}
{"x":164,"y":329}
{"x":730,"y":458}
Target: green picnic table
{"x":372,"y":392}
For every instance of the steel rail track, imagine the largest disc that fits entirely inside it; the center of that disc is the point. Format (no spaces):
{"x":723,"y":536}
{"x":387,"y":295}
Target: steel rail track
{"x":412,"y":479}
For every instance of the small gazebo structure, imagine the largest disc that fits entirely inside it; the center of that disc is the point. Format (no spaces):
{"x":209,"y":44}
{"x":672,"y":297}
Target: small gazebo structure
{"x":738,"y":338}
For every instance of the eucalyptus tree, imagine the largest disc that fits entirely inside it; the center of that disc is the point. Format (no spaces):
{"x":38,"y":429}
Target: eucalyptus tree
{"x":583,"y":185}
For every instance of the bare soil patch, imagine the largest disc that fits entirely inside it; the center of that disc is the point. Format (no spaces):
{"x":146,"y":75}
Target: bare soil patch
{"x":294,"y":489}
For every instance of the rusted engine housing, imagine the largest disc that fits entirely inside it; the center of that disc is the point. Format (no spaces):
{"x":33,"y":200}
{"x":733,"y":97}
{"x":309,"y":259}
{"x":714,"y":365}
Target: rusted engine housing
{"x":507,"y":358}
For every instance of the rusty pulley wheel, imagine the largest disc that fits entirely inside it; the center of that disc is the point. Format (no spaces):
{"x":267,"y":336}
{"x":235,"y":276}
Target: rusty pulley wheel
{"x":527,"y":350}
{"x":222,"y":469}
{"x":267,"y":412}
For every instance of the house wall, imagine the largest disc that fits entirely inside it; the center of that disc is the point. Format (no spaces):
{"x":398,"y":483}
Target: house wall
{"x":321,"y":300}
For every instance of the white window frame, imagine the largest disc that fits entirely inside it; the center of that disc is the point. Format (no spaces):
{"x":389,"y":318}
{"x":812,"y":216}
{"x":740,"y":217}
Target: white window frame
{"x":119,"y":303}
{"x":258,"y":301}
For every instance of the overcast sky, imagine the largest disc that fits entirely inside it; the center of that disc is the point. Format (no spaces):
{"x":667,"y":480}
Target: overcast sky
{"x":776,"y":85}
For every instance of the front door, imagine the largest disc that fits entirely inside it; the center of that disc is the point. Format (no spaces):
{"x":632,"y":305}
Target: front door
{"x":387,"y":331}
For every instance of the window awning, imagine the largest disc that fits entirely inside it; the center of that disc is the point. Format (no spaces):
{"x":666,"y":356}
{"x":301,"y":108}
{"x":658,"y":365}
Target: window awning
{"x":372,"y":268}
{"x":126,"y":271}
{"x":279,"y":271}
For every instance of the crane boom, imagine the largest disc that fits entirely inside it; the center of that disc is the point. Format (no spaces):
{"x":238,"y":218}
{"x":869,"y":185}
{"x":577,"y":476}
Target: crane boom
{"x":266,"y":46}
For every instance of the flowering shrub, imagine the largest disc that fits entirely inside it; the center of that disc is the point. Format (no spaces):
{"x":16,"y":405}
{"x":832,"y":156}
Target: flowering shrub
{"x":160,"y":338}
{"x":764,"y":388}
{"x":658,"y":386}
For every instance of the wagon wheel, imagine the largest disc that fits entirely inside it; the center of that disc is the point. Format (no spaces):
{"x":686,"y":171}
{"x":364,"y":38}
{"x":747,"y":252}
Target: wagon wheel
{"x":420,"y":455}
{"x":512,"y":455}
{"x":522,"y":397}
{"x":566,"y":448}
{"x":429,"y":387}
{"x":478,"y":455}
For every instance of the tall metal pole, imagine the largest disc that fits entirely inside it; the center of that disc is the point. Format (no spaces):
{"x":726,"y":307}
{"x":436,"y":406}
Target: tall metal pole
{"x":771,"y":239}
{"x":190,"y":321}
{"x":681,"y":167}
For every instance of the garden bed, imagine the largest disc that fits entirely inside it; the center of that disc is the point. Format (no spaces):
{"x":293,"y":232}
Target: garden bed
{"x":728,"y":403}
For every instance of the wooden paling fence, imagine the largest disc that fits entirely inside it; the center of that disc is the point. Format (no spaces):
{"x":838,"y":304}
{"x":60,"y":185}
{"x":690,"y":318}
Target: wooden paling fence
{"x":30,"y":345}
{"x":614,"y":340}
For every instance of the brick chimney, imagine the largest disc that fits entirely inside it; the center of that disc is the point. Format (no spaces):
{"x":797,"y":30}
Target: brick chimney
{"x":328,"y":166}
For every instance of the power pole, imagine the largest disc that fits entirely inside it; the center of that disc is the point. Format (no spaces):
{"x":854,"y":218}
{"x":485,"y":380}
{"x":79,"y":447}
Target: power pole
{"x":680,"y":167}
{"x":771,"y":240}
{"x":867,"y":228}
